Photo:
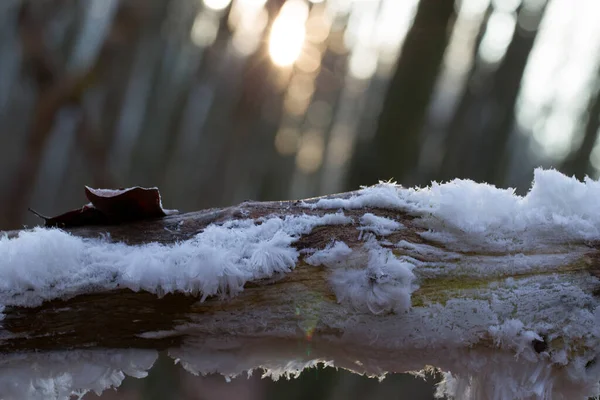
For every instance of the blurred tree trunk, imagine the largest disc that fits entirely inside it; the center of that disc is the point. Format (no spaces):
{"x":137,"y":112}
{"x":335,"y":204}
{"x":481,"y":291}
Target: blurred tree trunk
{"x":394,"y":149}
{"x":578,"y":162}
{"x":480,"y":129}
{"x":58,"y":87}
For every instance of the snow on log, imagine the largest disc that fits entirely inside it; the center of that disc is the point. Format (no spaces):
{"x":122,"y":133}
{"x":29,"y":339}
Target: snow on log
{"x":498,"y":290}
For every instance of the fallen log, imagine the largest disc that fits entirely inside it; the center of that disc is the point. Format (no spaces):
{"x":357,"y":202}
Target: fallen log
{"x":500,"y":291}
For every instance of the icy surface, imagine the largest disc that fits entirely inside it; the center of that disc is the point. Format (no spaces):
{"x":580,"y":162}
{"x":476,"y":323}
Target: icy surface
{"x":501,"y":376}
{"x":233,"y":359}
{"x":60,"y":375}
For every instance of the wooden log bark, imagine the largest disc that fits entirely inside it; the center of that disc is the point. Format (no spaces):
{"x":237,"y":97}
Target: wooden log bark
{"x":519,"y":314}
{"x":113,"y":327}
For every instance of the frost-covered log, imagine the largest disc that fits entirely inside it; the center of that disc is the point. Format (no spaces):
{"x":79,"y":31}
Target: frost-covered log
{"x":500,"y":291}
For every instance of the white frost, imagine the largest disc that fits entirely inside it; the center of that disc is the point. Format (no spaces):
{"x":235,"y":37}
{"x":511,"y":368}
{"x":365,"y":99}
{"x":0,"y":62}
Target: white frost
{"x":334,"y":255}
{"x":383,"y":286}
{"x":511,"y":334}
{"x":379,"y":225}
{"x":371,"y":279}
{"x":43,"y":264}
{"x":556,"y":209}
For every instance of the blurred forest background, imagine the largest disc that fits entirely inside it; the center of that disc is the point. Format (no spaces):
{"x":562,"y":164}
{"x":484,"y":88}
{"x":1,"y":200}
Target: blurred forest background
{"x":218,"y":101}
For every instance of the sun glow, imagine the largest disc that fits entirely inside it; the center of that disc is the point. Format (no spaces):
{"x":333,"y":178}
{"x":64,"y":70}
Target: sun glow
{"x":217,"y":5}
{"x":288,"y":33}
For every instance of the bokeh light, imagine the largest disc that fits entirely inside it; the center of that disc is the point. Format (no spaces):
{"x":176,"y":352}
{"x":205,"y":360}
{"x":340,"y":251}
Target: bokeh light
{"x":204,"y":31}
{"x":363,"y":63}
{"x":498,"y":34}
{"x":310,"y":153}
{"x":559,"y":76}
{"x":287,"y":140}
{"x":288,"y":33}
{"x":217,"y":5}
